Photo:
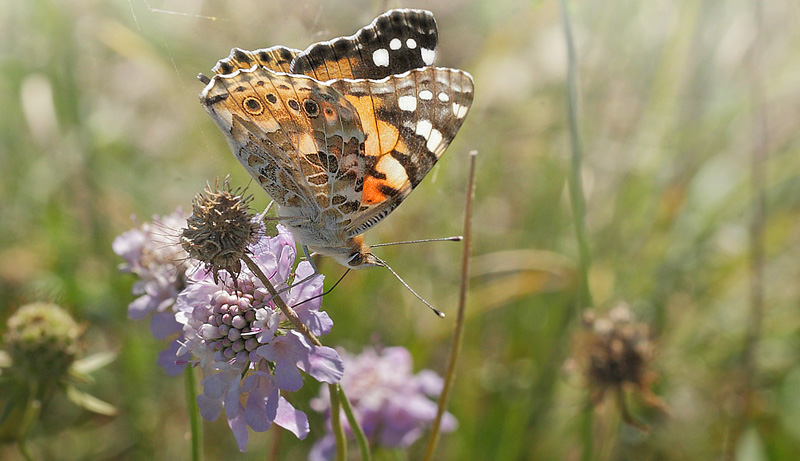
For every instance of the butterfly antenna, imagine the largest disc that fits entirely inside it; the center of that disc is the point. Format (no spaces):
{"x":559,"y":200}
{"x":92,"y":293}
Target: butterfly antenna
{"x":324,"y":292}
{"x":383,"y":263}
{"x":455,"y":238}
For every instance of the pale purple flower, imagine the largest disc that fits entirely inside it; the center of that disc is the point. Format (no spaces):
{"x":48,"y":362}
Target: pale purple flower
{"x":246,"y":349}
{"x":393,"y":405}
{"x":153,"y":253}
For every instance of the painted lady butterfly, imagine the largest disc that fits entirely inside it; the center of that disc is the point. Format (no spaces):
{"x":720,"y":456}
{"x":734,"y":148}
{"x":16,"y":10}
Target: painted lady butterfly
{"x":339,"y":134}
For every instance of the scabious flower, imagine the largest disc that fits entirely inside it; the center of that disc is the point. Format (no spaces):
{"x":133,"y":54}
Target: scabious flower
{"x":392,"y":405}
{"x":42,"y":342}
{"x":229,"y":324}
{"x":153,"y":253}
{"x":247,"y":349}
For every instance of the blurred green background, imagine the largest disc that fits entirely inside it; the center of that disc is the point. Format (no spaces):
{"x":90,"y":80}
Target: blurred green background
{"x":100,"y":121}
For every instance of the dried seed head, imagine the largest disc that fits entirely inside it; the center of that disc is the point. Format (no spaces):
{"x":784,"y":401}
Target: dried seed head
{"x":614,"y":351}
{"x":220,"y":229}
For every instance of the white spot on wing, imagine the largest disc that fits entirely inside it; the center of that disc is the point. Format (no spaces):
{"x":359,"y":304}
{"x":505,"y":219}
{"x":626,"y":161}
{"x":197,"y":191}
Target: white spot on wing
{"x":425,"y":95}
{"x":423,"y":128}
{"x":434,"y":140}
{"x":381,"y":57}
{"x":395,"y":44}
{"x":444,"y":97}
{"x":411,"y":43}
{"x":459,"y":111}
{"x":427,"y":56}
{"x":395,"y":173}
{"x":407,"y":103}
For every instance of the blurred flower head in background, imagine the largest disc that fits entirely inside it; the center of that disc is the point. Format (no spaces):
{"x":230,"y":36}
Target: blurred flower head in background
{"x":614,"y":353}
{"x":391,"y":403}
{"x":40,"y":359}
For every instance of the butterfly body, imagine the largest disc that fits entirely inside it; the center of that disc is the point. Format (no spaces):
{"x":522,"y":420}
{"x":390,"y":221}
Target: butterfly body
{"x":339,"y":134}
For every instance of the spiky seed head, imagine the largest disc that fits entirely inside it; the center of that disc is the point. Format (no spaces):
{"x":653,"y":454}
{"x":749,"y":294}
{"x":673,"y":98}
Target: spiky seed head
{"x":220,"y":229}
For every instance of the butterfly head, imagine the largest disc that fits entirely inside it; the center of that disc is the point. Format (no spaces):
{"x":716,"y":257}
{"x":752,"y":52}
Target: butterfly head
{"x":354,"y":255}
{"x":363,"y":258}
{"x":359,"y":255}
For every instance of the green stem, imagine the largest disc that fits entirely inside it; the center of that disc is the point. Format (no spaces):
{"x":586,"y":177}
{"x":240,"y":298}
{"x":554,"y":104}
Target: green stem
{"x":576,"y":196}
{"x":30,"y":415}
{"x":22,"y":445}
{"x":361,"y":438}
{"x":578,"y":204}
{"x":458,"y":329}
{"x":194,"y":413}
{"x":336,"y":423}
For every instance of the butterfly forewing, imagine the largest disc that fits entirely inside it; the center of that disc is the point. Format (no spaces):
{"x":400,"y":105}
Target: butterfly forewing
{"x":409,"y":120}
{"x":395,"y":42}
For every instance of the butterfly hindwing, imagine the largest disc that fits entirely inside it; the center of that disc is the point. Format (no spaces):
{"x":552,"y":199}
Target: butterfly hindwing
{"x":395,"y":42}
{"x":300,"y":139}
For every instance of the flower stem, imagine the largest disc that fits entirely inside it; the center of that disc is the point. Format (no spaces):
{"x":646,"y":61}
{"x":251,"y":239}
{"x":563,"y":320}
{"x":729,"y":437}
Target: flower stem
{"x":276,"y":443}
{"x":336,"y":423}
{"x":194,"y":413}
{"x":458,"y":329}
{"x":341,"y":447}
{"x":287,"y":311}
{"x":32,"y":409}
{"x":22,"y":445}
{"x":361,"y":438}
{"x":578,"y":204}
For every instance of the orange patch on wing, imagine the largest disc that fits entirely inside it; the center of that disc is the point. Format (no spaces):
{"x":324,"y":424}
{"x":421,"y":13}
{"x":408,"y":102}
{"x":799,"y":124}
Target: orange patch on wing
{"x":341,"y":68}
{"x":371,"y":194}
{"x":381,"y":136}
{"x":396,"y":178}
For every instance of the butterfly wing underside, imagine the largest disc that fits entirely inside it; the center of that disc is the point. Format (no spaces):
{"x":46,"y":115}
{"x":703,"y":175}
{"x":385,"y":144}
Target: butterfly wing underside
{"x":341,"y":133}
{"x":300,"y":139}
{"x":395,"y":42}
{"x":276,"y":58}
{"x":409,"y":120}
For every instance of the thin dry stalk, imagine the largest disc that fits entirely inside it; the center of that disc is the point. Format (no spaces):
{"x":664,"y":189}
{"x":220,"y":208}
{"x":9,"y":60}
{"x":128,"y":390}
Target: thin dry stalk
{"x":458,"y":330}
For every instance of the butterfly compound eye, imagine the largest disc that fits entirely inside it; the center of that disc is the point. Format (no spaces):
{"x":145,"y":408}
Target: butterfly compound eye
{"x":356,"y":259}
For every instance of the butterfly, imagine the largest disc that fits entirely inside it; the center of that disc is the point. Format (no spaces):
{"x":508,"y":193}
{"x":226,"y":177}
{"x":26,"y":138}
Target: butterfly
{"x":340,"y":134}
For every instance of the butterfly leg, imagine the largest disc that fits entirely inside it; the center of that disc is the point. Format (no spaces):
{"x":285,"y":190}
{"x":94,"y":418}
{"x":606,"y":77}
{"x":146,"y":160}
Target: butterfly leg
{"x":313,"y":266}
{"x":295,"y":283}
{"x":308,"y":258}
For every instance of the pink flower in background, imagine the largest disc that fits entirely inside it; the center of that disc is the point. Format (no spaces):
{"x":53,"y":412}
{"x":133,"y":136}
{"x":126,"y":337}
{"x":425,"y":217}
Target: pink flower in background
{"x":392,"y":404}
